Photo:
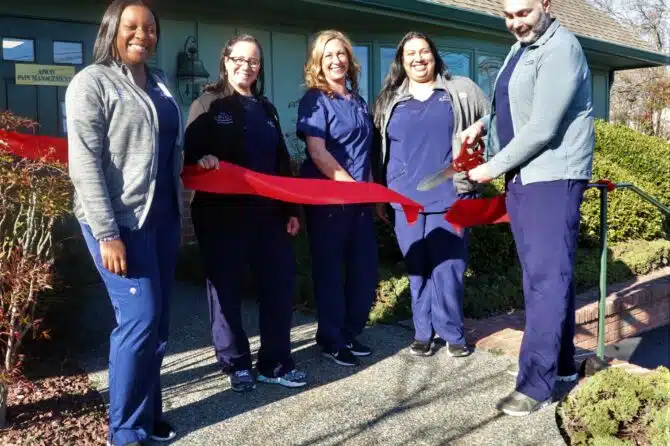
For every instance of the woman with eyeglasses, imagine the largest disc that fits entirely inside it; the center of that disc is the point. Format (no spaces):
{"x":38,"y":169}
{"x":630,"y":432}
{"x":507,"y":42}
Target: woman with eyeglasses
{"x":420,"y":113}
{"x":335,"y":123}
{"x":233,"y":121}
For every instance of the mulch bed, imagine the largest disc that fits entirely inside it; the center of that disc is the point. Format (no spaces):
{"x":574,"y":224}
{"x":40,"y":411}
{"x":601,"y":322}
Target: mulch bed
{"x":61,"y":409}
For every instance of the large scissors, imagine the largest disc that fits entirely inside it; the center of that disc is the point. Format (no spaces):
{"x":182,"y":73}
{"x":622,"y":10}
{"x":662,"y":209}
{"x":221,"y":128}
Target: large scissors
{"x":471,"y":156}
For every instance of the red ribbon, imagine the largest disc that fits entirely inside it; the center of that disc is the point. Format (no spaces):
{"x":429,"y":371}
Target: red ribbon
{"x":477,"y":211}
{"x":233,"y":179}
{"x":43,"y":148}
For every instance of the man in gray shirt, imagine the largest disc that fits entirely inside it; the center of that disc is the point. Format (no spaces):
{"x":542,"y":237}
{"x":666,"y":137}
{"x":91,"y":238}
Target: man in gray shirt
{"x":540,"y":135}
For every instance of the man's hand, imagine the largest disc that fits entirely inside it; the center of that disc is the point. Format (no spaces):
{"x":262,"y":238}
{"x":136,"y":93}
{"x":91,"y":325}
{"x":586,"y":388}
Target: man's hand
{"x":113,"y":255}
{"x":472,"y":133}
{"x":293,"y":226}
{"x":209,"y":162}
{"x":480,"y":174}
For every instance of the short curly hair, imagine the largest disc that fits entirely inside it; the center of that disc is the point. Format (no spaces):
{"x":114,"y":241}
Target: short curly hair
{"x":314,"y":77}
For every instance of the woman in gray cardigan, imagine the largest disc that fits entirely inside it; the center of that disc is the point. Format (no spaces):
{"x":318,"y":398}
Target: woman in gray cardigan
{"x":420,"y":114}
{"x":125,"y":157}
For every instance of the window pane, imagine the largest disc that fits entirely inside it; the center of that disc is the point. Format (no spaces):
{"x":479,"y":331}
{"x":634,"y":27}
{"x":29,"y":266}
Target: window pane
{"x":457,"y":63}
{"x":361,"y":53}
{"x":68,"y":52}
{"x":487,"y":70}
{"x":20,"y":50}
{"x":386,"y":59}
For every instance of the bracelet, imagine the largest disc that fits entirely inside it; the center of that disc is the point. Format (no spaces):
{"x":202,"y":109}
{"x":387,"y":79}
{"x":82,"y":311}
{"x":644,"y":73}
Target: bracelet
{"x":110,"y":238}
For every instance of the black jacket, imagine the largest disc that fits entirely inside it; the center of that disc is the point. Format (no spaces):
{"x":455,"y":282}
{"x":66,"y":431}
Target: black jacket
{"x":204,"y":136}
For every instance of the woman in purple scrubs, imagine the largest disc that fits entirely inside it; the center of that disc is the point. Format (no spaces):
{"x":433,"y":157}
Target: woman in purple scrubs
{"x":420,"y":113}
{"x":335,"y":123}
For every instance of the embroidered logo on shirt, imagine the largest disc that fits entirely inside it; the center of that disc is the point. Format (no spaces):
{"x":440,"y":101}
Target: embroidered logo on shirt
{"x":444,"y":97}
{"x":270,"y":123}
{"x":223,"y":118}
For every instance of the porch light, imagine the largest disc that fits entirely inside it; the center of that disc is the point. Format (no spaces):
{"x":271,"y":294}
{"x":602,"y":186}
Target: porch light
{"x":191,"y":72}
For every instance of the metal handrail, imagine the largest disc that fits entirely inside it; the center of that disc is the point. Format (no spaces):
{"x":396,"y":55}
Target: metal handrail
{"x":605,"y":188}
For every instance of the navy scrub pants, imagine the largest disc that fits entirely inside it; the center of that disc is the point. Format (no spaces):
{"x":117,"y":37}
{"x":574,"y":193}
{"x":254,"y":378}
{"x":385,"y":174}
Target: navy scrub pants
{"x":436,"y":259}
{"x":545,"y":223}
{"x":138,"y":343}
{"x":257,"y":237}
{"x":343,"y":244}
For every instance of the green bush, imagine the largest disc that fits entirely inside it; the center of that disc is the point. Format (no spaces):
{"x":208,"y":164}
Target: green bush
{"x":616,"y":407}
{"x":624,"y":155}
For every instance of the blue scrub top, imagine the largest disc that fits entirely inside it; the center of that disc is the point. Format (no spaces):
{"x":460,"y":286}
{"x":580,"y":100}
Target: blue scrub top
{"x":165,"y":198}
{"x":505,"y":126}
{"x":346,"y":127}
{"x":420,"y":138}
{"x":260,"y":137}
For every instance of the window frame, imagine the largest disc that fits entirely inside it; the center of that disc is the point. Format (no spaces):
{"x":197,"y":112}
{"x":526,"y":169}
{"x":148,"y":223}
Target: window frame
{"x":53,"y":52}
{"x":2,"y":49}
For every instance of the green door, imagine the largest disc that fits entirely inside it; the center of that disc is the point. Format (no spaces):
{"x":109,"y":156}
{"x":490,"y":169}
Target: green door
{"x":27,"y":42}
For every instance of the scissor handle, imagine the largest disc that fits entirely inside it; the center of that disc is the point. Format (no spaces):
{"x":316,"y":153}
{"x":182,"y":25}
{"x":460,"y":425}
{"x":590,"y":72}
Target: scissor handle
{"x":471,"y":156}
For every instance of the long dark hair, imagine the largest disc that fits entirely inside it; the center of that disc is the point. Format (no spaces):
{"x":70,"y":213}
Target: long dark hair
{"x":104,"y":50}
{"x":222,"y":85}
{"x":397,"y":75}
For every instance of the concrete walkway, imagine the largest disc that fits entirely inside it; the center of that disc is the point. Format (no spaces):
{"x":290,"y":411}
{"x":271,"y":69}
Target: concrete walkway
{"x":392,"y":399}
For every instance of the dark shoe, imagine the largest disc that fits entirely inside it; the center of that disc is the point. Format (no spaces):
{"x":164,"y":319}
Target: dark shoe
{"x":358,"y":349}
{"x":458,"y":350}
{"x":163,"y":432}
{"x":242,"y":381}
{"x":342,"y":356}
{"x":517,"y":404}
{"x":514,"y":371}
{"x":420,"y":348}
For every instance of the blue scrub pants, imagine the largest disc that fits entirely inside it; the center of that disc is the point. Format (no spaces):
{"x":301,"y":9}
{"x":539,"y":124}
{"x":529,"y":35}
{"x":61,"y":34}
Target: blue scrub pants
{"x":343,"y":244}
{"x":545,"y":222}
{"x":138,"y":343}
{"x":256,"y":237}
{"x":436,"y":260}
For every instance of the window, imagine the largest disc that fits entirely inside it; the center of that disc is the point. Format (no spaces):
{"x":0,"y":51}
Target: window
{"x":386,"y":59}
{"x":458,"y":63}
{"x":487,"y":71}
{"x":68,"y":52}
{"x":19,"y":50}
{"x":362,"y":55}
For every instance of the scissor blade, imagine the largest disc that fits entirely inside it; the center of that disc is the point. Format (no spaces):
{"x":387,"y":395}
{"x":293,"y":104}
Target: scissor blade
{"x":436,"y":179}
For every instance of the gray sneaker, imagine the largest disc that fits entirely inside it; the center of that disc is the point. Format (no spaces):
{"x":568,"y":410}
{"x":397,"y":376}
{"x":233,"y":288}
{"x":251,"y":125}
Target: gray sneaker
{"x":514,"y":371}
{"x":294,"y":378}
{"x":458,"y":350}
{"x":242,"y":381}
{"x":517,"y":404}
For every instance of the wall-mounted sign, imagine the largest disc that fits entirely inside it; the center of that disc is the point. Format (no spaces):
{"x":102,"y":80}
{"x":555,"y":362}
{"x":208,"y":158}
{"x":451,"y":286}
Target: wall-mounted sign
{"x":33,"y":74}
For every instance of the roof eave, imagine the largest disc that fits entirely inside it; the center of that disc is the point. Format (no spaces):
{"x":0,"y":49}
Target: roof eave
{"x":439,"y":13}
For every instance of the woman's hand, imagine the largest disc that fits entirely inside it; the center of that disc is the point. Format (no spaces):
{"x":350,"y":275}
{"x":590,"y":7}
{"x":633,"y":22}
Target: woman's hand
{"x":209,"y":162}
{"x":381,"y":212}
{"x":113,"y":253}
{"x":293,"y":225}
{"x":472,"y":133}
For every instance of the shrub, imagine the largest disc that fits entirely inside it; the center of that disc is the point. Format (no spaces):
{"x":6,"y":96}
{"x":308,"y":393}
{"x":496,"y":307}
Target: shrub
{"x":616,"y":408}
{"x":34,"y":196}
{"x":624,"y":155}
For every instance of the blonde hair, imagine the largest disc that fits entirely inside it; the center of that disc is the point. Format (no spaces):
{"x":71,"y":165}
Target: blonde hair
{"x":314,"y":77}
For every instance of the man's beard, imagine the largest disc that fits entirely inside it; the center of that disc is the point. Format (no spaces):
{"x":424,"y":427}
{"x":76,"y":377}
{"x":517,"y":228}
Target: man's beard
{"x":536,"y":32}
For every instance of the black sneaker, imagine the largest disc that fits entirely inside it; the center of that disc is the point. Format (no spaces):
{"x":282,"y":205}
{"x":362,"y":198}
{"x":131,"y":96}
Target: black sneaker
{"x":163,"y":432}
{"x":457,"y":350}
{"x":517,"y":404}
{"x":242,"y":381}
{"x":358,"y":349}
{"x":420,"y":348}
{"x":342,"y":356}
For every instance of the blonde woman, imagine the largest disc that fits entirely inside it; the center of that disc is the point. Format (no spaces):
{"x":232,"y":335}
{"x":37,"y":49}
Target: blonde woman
{"x":337,"y":128}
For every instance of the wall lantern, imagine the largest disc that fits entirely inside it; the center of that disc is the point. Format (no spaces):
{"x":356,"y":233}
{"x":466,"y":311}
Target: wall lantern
{"x":191,"y":72}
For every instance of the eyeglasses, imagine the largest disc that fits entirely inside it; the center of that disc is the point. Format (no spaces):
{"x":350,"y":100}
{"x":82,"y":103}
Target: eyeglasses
{"x":239,"y":61}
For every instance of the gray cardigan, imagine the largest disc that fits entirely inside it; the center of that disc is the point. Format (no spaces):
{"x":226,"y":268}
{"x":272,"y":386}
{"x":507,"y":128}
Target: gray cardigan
{"x":112,"y":148}
{"x":469,"y":104}
{"x":552,"y":112}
